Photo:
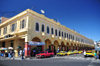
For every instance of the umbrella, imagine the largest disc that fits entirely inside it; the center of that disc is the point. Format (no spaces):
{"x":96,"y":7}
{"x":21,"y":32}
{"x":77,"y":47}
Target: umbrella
{"x":10,"y":48}
{"x":3,"y":48}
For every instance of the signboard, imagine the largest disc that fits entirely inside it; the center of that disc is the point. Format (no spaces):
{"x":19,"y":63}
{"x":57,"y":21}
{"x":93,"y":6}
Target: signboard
{"x":36,"y":43}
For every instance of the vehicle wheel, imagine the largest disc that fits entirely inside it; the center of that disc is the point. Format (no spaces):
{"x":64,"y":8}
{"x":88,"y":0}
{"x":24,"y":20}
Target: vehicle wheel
{"x":51,"y":55}
{"x":85,"y":56}
{"x":43,"y":56}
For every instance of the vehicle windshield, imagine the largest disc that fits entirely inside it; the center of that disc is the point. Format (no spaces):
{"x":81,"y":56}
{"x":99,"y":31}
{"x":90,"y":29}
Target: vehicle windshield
{"x":43,"y":52}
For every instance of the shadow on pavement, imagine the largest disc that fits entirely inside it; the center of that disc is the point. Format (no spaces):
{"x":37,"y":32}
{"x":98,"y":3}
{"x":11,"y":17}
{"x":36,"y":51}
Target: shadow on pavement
{"x":1,"y":63}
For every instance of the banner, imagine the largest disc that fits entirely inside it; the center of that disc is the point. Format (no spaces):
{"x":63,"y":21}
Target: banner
{"x":36,"y":43}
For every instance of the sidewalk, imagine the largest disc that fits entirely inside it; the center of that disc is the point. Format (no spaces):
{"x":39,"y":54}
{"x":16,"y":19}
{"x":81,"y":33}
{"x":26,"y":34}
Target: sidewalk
{"x":16,"y":58}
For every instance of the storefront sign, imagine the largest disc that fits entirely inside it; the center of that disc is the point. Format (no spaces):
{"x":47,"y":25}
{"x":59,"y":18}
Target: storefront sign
{"x":36,"y":43}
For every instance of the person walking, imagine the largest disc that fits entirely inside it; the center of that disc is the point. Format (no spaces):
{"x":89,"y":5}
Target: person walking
{"x":22,"y":57}
{"x":84,"y":52}
{"x":20,"y":53}
{"x":13,"y":54}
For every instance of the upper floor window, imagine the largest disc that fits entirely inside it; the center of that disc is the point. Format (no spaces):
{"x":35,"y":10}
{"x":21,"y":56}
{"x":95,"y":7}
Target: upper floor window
{"x":13,"y":27}
{"x":62,"y":34}
{"x":37,"y":27}
{"x":65,"y":35}
{"x":22,"y":24}
{"x":69,"y":36}
{"x":59,"y":33}
{"x":73,"y":37}
{"x":52,"y":32}
{"x":56,"y":32}
{"x":47,"y":29}
{"x":42,"y":28}
{"x":5,"y":30}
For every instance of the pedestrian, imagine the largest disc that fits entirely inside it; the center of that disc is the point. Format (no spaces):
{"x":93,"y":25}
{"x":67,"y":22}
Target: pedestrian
{"x":0,"y":53}
{"x":13,"y":54}
{"x":22,"y":57}
{"x":58,"y":50}
{"x":9,"y":55}
{"x":20,"y":53}
{"x":34,"y":52}
{"x":84,"y":52}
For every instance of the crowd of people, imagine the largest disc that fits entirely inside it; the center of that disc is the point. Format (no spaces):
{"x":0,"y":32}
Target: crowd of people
{"x":11,"y":54}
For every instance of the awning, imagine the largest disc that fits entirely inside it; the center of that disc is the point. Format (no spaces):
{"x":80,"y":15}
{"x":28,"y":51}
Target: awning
{"x":36,"y":43}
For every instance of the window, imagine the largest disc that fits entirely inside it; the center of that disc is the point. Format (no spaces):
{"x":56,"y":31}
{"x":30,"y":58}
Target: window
{"x":47,"y":29}
{"x":73,"y":37}
{"x":22,"y":24}
{"x":12,"y":42}
{"x":13,"y":27}
{"x":0,"y":31}
{"x":56,"y":32}
{"x":52,"y":31}
{"x":76,"y":38}
{"x":42,"y":28}
{"x":59,"y":33}
{"x":3,"y":44}
{"x":65,"y":35}
{"x":69,"y":36}
{"x":37,"y":27}
{"x":5,"y":30}
{"x":62,"y":34}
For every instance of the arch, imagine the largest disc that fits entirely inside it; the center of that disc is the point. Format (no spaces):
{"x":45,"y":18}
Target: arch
{"x":56,"y":44}
{"x":62,"y":43}
{"x":67,"y":46}
{"x":63,"y":46}
{"x":36,"y":39}
{"x":72,"y":46}
{"x":47,"y":44}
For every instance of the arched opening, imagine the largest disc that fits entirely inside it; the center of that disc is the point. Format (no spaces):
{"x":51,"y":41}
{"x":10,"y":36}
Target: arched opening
{"x":35,"y":49}
{"x":36,"y":39}
{"x":62,"y":46}
{"x":67,"y":47}
{"x":56,"y":45}
{"x":75,"y":47}
{"x":71,"y":46}
{"x":47,"y":44}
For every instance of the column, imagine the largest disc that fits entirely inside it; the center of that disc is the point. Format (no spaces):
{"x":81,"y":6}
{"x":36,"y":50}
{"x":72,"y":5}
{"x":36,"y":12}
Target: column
{"x":27,"y":49}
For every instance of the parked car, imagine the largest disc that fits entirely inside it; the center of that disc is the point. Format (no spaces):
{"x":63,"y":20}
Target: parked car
{"x":61,"y":53}
{"x":89,"y":53}
{"x":45,"y":54}
{"x":69,"y":53}
{"x":75,"y":52}
{"x":80,"y":52}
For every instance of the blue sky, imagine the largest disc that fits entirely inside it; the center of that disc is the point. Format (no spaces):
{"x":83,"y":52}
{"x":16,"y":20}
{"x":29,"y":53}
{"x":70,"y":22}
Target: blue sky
{"x":80,"y":15}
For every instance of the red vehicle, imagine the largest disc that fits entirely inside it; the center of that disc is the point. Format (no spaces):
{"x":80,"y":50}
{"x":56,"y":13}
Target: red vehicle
{"x":45,"y":54}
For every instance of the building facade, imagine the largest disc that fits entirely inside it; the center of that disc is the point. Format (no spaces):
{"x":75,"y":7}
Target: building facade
{"x":31,"y":26}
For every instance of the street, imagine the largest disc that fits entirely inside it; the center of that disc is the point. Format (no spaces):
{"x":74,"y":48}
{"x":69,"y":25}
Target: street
{"x":72,"y":60}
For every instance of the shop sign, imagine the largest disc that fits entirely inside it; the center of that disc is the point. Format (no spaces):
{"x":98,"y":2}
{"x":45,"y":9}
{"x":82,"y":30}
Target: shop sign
{"x":36,"y":43}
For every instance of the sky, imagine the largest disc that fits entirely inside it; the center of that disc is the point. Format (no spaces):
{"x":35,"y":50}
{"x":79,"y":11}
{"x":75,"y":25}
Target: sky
{"x":83,"y":16}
